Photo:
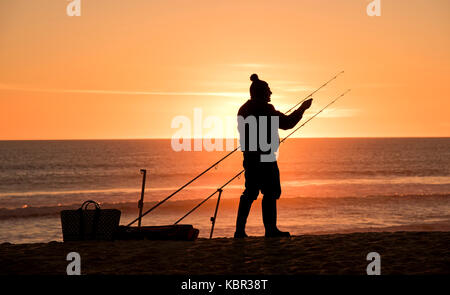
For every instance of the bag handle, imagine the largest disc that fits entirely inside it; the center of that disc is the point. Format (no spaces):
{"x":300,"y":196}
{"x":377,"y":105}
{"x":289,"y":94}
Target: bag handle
{"x":86,"y":204}
{"x":96,"y":218}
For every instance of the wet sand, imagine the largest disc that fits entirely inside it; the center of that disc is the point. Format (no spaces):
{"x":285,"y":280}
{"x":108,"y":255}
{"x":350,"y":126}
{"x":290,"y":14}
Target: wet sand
{"x":401,"y":253}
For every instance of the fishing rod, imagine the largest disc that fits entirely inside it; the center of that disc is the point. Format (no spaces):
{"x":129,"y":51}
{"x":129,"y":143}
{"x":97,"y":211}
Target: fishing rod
{"x":223,"y":158}
{"x":314,"y":92}
{"x":315,"y":115}
{"x":220,"y":189}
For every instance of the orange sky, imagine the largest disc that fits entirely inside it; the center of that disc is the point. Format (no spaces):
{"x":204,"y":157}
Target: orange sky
{"x":125,"y":69}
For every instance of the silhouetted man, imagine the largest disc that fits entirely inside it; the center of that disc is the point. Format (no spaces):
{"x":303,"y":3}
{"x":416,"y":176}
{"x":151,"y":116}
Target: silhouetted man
{"x":261,"y":168}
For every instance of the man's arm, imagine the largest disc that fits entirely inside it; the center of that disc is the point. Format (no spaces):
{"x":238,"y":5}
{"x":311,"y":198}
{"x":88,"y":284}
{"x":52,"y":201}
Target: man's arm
{"x":289,"y":121}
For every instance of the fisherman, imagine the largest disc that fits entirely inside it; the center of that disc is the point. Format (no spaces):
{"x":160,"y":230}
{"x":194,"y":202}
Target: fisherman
{"x":260,"y":165}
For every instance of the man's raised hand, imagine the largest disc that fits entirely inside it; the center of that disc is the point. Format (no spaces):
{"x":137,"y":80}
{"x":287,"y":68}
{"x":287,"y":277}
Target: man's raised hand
{"x":306,"y":104}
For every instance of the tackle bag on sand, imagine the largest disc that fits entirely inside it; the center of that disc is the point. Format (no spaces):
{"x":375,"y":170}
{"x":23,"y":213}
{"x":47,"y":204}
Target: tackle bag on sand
{"x":83,"y":224}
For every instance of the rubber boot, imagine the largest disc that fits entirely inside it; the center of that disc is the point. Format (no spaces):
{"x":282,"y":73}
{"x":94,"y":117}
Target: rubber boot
{"x":244,"y":209}
{"x":269,"y":212}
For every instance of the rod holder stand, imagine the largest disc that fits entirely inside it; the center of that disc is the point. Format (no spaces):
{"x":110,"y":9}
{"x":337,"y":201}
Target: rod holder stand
{"x":141,"y":201}
{"x":214,"y":218}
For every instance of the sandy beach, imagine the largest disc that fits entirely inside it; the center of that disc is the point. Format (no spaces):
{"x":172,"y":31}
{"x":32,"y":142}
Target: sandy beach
{"x":401,"y":253}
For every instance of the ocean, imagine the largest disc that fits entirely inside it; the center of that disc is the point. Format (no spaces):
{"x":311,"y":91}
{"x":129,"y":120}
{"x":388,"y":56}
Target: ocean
{"x":329,"y":185}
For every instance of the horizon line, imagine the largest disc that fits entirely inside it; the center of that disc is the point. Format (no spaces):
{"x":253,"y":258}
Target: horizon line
{"x":169,"y":138}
